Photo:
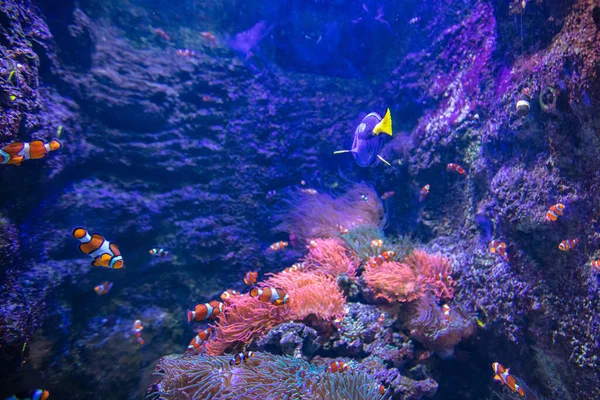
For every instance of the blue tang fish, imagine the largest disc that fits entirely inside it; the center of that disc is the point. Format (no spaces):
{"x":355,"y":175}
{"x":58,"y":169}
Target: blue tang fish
{"x":367,"y":139}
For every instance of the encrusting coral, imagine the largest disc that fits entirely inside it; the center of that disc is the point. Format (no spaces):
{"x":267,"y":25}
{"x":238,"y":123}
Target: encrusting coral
{"x":264,"y":376}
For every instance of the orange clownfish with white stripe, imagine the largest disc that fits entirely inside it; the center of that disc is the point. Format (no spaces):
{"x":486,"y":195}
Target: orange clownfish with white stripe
{"x":387,"y":195}
{"x":274,"y":296}
{"x":376,"y":243}
{"x":203,"y":311}
{"x":278,"y":246}
{"x":568,"y":244}
{"x":554,"y":212}
{"x":228,"y":294}
{"x":241,"y":358}
{"x":386,"y":256}
{"x":103,"y":288}
{"x":338,"y":366}
{"x":342,"y":230}
{"x":199,"y":339}
{"x":137,"y":329}
{"x":446,"y":310}
{"x":105,"y":253}
{"x":17,"y":152}
{"x":424,"y":192}
{"x":296,"y":267}
{"x":456,"y":168}
{"x":498,"y":247}
{"x":595,"y":265}
{"x":250,"y":278}
{"x":504,"y":377}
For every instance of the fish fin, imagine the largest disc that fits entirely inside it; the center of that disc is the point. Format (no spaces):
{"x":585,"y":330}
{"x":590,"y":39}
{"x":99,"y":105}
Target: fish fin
{"x":497,"y":378}
{"x":344,"y":151}
{"x":385,"y":125}
{"x":382,"y":159}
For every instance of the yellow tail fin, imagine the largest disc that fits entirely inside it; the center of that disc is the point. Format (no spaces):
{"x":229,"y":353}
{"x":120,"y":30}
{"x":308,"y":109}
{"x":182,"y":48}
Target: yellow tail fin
{"x":385,"y":125}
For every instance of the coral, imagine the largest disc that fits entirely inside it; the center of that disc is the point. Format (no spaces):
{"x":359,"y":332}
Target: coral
{"x":263,"y":376}
{"x":306,"y":216}
{"x":393,"y":282}
{"x":290,"y":338}
{"x":435,"y":272}
{"x":435,"y":331}
{"x":330,"y":257}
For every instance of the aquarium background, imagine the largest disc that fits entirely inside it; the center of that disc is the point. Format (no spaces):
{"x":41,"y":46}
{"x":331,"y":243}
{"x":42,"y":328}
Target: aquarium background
{"x":180,"y":152}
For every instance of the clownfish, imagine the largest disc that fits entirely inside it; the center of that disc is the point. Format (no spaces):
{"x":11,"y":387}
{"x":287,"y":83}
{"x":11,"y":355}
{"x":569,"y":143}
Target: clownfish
{"x":376,"y":243}
{"x":250,"y":278}
{"x":424,"y":192}
{"x":342,"y":230}
{"x":209,"y":36}
{"x":294,"y":268}
{"x":456,"y":168}
{"x":203,"y":311}
{"x":278,"y":246}
{"x":387,"y":195}
{"x":312,"y":192}
{"x":103,"y":288}
{"x":498,"y":247}
{"x":568,"y":244}
{"x":381,"y":319}
{"x":274,"y":296}
{"x":105,"y":253}
{"x":199,"y":339}
{"x":160,"y":252}
{"x":596,"y":265}
{"x":312,"y":245}
{"x":425,"y":355}
{"x":38,"y":394}
{"x":381,"y":389}
{"x":161,"y":33}
{"x":503,"y":376}
{"x":185,"y":53}
{"x":386,"y":256}
{"x":17,"y":152}
{"x":241,"y":358}
{"x":228,"y":294}
{"x":337,"y":366}
{"x":554,"y":212}
{"x":446,"y":310}
{"x":137,"y":329}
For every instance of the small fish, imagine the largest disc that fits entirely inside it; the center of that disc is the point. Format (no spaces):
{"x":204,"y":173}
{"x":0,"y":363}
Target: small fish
{"x":105,"y":254}
{"x":103,"y":288}
{"x":554,"y":212}
{"x":503,"y":376}
{"x":568,"y":244}
{"x":38,"y":394}
{"x":367,"y":142}
{"x":424,"y":192}
{"x":207,"y":99}
{"x":498,"y":247}
{"x":310,"y":191}
{"x":303,"y":182}
{"x":294,"y":268}
{"x":203,"y":311}
{"x":595,"y":265}
{"x":199,"y":339}
{"x":387,"y":195}
{"x":312,"y":245}
{"x":185,"y":53}
{"x":426,"y":355}
{"x":456,"y":168}
{"x":376,"y":243}
{"x":229,"y":256}
{"x":209,"y":37}
{"x":338,"y":322}
{"x":161,"y":33}
{"x":228,"y":294}
{"x":17,"y":152}
{"x":364,"y":198}
{"x":271,"y":194}
{"x":446,"y":310}
{"x":278,"y":246}
{"x":414,"y":20}
{"x":241,"y":358}
{"x":137,"y":329}
{"x":59,"y":131}
{"x":386,"y":256}
{"x":342,"y":230}
{"x":250,"y":278}
{"x":382,"y":389}
{"x":274,"y":296}
{"x":381,"y":319}
{"x":337,"y":366}
{"x":160,"y":252}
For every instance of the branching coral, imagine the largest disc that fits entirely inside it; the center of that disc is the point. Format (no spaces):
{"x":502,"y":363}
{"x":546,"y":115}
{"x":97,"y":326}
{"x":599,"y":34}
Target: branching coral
{"x":439,"y":332}
{"x":307,"y":216}
{"x":393,"y":282}
{"x":435,"y":271}
{"x":264,"y":376}
{"x":330,"y":257}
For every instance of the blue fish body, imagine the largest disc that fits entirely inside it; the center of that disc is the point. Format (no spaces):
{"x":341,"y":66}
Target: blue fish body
{"x":366,"y":145}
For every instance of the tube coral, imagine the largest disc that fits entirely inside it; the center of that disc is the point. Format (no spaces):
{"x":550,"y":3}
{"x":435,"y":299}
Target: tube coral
{"x":393,"y":282}
{"x":307,"y":216}
{"x":330,"y":257}
{"x":263,"y":376}
{"x":439,"y":332}
{"x":435,"y":272}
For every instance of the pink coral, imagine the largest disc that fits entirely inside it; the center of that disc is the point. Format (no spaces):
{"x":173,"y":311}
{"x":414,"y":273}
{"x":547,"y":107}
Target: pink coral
{"x":330,"y":257}
{"x":435,"y":272}
{"x":393,"y":281}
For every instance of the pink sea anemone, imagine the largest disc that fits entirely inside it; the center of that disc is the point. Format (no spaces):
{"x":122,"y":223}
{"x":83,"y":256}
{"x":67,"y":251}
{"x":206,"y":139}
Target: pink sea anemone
{"x":331,"y":257}
{"x":435,"y":272}
{"x":393,"y":282}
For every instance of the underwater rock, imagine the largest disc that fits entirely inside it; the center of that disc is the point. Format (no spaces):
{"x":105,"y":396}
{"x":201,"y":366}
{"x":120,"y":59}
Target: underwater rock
{"x":292,"y":339}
